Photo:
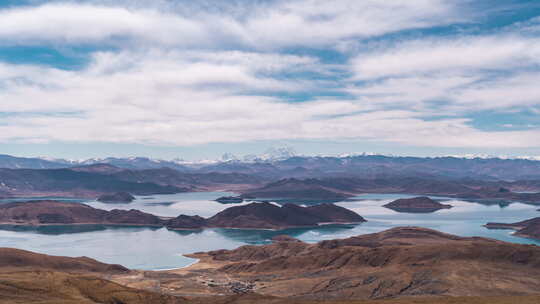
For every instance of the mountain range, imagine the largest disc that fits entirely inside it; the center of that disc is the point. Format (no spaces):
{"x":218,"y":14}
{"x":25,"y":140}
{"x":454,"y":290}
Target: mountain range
{"x":282,"y":164}
{"x":298,"y":177}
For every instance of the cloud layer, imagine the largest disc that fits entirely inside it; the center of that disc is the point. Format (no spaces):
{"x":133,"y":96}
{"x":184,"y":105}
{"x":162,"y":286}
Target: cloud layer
{"x":185,"y":75}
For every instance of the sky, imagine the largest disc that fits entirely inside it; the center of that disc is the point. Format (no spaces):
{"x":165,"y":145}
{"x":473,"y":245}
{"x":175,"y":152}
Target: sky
{"x":195,"y":79}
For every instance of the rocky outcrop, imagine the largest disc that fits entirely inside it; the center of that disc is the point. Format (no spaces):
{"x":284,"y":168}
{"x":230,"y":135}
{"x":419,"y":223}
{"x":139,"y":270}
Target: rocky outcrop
{"x":54,"y":212}
{"x":116,"y":198}
{"x":421,"y":204}
{"x":270,"y":216}
{"x":529,"y":228}
{"x":267,"y":215}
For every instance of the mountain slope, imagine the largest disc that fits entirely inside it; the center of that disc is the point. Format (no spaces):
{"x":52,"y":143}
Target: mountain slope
{"x":399,"y":262}
{"x":72,"y":183}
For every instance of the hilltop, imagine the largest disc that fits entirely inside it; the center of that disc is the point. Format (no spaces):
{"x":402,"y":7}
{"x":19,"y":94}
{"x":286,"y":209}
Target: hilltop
{"x":399,"y":262}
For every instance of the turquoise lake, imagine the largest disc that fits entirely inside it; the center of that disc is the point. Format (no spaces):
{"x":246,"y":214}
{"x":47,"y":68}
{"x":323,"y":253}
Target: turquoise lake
{"x":159,"y":248}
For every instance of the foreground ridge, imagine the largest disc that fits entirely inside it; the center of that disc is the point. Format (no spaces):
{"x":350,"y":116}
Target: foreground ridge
{"x":398,"y":263}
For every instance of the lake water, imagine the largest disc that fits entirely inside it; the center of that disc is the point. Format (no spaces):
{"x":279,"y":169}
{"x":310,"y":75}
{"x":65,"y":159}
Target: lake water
{"x":159,"y":248}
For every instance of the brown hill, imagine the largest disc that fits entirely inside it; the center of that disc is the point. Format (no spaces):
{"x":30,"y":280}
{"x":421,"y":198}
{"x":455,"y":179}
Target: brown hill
{"x":296,"y":188}
{"x":270,"y":216}
{"x":16,"y":258}
{"x":529,"y":228}
{"x":54,"y":212}
{"x":395,"y":263}
{"x":401,"y":262}
{"x":421,"y":204}
{"x":52,"y":287}
{"x":255,"y":215}
{"x":259,"y":299}
{"x":28,"y":277}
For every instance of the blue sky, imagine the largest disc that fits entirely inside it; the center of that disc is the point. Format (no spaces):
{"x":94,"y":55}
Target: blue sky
{"x":185,"y":79}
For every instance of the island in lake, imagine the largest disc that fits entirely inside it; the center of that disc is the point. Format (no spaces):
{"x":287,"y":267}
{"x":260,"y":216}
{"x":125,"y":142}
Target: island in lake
{"x":421,"y":204}
{"x":270,"y":216}
{"x":253,"y":216}
{"x":49,"y":212}
{"x":230,"y":199}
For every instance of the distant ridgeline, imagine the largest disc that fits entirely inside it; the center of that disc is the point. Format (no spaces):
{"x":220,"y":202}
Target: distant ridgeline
{"x":311,"y":178}
{"x":316,"y":166}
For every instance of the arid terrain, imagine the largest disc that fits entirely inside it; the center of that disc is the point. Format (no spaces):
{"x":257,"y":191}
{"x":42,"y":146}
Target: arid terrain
{"x":401,"y":265}
{"x":27,"y":277}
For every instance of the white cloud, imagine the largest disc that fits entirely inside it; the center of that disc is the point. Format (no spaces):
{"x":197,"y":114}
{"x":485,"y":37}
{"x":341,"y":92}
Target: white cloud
{"x":190,"y":76}
{"x":158,"y":99}
{"x":463,"y":54}
{"x":72,"y":23}
{"x":452,"y":75}
{"x":269,"y":26}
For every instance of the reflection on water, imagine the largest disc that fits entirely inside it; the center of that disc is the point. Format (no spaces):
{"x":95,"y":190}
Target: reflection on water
{"x":44,"y":198}
{"x":264,"y":236}
{"x":172,"y":205}
{"x":160,"y":248}
{"x":55,"y":229}
{"x":283,"y":201}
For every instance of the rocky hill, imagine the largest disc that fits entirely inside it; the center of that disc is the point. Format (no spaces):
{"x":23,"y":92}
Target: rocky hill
{"x":399,"y":262}
{"x":54,"y":212}
{"x":16,"y":258}
{"x":270,"y":216}
{"x":28,"y":277}
{"x":421,"y":204}
{"x":254,"y":215}
{"x":405,"y":265}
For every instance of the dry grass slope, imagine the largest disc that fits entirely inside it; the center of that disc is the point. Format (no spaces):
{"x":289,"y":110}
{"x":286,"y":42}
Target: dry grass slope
{"x":51,"y":287}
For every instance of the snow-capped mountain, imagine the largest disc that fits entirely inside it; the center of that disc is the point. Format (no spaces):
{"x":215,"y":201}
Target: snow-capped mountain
{"x":284,"y":162}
